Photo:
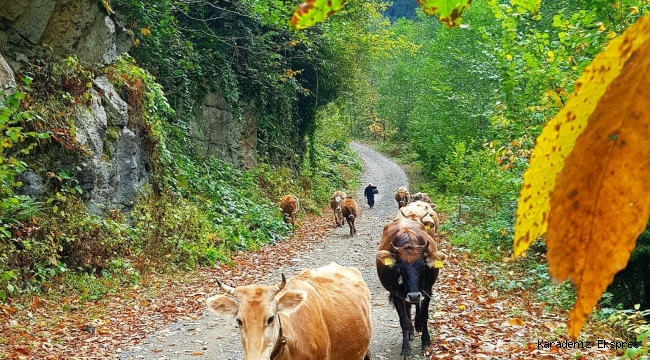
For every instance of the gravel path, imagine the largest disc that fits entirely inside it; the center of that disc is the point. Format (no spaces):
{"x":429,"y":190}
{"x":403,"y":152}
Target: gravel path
{"x":213,"y":337}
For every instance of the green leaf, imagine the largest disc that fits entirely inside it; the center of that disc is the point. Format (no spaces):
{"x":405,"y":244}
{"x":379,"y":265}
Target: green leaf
{"x":448,"y":11}
{"x":312,"y":12}
{"x":531,"y":6}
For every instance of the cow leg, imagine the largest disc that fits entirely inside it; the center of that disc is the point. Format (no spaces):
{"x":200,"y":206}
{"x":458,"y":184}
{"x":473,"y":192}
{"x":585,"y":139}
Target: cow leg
{"x":418,"y":323}
{"x":424,"y":321}
{"x":404,"y":321}
{"x":408,"y":313}
{"x":354,"y":226}
{"x":351,"y":225}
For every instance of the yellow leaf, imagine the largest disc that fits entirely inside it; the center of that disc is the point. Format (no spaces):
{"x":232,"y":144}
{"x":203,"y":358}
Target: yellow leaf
{"x":555,"y":97}
{"x":634,"y":10}
{"x":591,"y":161}
{"x":611,"y":35}
{"x":145,"y":31}
{"x":508,"y":56}
{"x":553,"y":145}
{"x":461,"y":306}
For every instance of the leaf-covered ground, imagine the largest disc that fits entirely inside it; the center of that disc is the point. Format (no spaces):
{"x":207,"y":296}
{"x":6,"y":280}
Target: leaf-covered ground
{"x":65,"y":328}
{"x":472,"y":322}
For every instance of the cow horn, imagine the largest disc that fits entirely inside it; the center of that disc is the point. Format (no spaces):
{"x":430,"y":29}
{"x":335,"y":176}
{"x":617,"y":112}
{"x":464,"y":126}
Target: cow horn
{"x":228,"y":289}
{"x":280,"y":286}
{"x":395,"y":248}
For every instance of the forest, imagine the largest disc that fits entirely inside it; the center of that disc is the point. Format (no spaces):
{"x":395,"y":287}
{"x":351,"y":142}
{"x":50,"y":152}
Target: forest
{"x":162,"y":161}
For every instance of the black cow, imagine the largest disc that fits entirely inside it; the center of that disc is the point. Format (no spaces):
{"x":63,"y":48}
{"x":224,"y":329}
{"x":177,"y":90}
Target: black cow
{"x":408,"y":265}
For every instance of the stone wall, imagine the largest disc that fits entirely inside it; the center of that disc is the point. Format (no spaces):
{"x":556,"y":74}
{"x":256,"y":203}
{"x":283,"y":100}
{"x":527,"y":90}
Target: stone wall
{"x":231,"y":136}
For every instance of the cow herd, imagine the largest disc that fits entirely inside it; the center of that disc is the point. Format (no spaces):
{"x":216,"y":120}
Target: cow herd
{"x":325,"y":313}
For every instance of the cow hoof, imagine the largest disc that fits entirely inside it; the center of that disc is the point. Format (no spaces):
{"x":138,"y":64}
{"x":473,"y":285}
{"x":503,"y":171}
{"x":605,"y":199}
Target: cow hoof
{"x":426,"y":344}
{"x":405,"y":352}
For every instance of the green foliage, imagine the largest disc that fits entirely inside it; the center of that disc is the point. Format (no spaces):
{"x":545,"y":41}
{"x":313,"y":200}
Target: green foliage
{"x":15,"y":140}
{"x":242,"y":51}
{"x":630,"y":325}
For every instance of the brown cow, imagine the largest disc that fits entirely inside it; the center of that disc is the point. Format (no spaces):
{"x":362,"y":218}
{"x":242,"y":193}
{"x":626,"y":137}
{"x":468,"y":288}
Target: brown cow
{"x":402,"y":197}
{"x":289,"y":205}
{"x":422,"y":212}
{"x":321,"y":314}
{"x":408,"y":265}
{"x":335,"y":205}
{"x":350,"y":212}
{"x":420,"y":196}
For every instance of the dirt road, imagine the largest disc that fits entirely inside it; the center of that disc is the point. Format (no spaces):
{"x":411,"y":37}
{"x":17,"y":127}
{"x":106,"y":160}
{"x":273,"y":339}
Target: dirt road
{"x":217,"y":338}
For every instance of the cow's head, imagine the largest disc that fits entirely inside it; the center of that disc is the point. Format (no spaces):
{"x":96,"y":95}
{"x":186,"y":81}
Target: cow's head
{"x":337,"y":200}
{"x":408,"y":258}
{"x":402,"y":196}
{"x":419,"y":211}
{"x":256,"y":309}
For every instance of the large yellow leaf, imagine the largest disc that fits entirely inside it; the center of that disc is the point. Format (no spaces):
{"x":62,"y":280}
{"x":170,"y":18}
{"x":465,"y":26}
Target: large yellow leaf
{"x":601,"y":203}
{"x":589,"y":176}
{"x":559,"y":135}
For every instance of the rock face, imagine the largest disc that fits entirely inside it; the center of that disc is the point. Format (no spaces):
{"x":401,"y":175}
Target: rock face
{"x":217,"y":133}
{"x":7,"y":81}
{"x":116,"y":170}
{"x":80,"y":27}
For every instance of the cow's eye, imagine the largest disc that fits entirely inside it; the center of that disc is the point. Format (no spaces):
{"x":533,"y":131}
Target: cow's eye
{"x":239,"y":323}
{"x":270,"y":320}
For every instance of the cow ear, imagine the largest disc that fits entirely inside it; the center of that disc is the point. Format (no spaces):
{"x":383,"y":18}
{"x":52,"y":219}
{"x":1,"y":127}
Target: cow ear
{"x":434,"y":259}
{"x":386,"y":257}
{"x":223,"y":305}
{"x":291,"y":300}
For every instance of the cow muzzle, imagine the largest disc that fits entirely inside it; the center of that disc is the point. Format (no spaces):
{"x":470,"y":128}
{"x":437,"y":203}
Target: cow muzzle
{"x":338,"y":208}
{"x":414,"y":297}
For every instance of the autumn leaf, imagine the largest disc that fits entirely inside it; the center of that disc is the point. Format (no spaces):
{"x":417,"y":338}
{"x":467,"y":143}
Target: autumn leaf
{"x":448,"y":11}
{"x":531,"y":6}
{"x":588,"y":174}
{"x":312,"y":12}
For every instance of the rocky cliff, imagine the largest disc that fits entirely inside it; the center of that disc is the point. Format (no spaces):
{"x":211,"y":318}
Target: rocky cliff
{"x":116,"y":167}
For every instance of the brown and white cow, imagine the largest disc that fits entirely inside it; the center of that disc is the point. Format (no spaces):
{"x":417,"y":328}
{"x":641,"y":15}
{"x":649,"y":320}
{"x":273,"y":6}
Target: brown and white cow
{"x":422,"y":212}
{"x":321,"y":314}
{"x":402,"y":197}
{"x":420,"y":196}
{"x":289,"y":205}
{"x":408,"y":265}
{"x":335,"y":205}
{"x":350,"y":211}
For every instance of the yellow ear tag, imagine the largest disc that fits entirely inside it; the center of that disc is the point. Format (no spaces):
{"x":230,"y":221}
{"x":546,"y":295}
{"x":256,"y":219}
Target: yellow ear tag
{"x":438,"y":264}
{"x":427,"y":227}
{"x":388,"y":261}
